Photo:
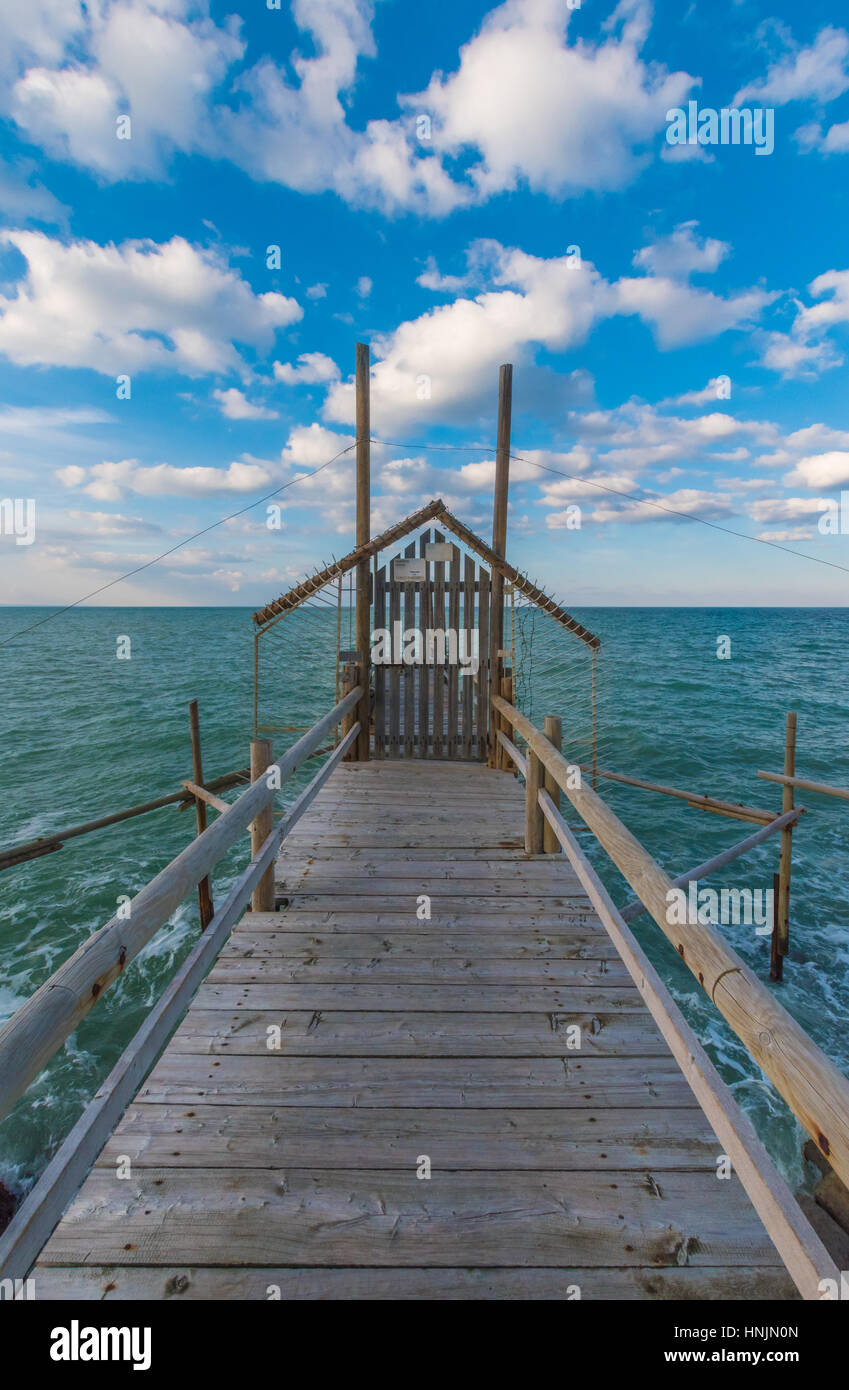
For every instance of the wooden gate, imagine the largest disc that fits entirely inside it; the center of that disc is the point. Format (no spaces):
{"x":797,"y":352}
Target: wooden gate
{"x":436,"y":706}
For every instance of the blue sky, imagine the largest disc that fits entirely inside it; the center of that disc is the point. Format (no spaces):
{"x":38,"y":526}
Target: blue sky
{"x":458,"y":186}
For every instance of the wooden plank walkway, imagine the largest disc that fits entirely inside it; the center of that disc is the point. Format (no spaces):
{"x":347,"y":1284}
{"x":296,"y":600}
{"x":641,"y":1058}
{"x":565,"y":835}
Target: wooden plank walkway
{"x":339,"y":1040}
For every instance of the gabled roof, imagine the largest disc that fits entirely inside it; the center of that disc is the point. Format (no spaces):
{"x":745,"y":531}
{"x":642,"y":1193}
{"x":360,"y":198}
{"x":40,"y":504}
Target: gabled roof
{"x":435,"y":509}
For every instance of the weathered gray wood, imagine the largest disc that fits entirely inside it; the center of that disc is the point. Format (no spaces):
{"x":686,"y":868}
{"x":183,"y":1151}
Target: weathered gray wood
{"x":216,"y":1136}
{"x":394,"y":675}
{"x":359,"y":996}
{"x":408,"y":676}
{"x":321,"y":969}
{"x":438,"y":609}
{"x":434,"y":948}
{"x":385,"y":1218}
{"x":482,"y":679}
{"x":574,"y":1080}
{"x":467,"y":680}
{"x":363,"y":521}
{"x":452,"y":745}
{"x":379,"y":671}
{"x":322,"y":1032}
{"x":340,"y":1039}
{"x":196,"y":1283}
{"x":424,"y":672}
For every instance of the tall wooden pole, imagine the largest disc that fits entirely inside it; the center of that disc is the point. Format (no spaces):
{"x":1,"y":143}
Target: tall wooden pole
{"x":553,"y":729}
{"x":499,"y":540}
{"x":262,"y":756}
{"x":363,"y":620}
{"x":783,"y":924}
{"x":207,"y":911}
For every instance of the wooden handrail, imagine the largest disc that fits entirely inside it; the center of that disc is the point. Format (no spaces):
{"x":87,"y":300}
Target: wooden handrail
{"x":817,"y":1093}
{"x":807,"y":1260}
{"x":39,"y":1028}
{"x":802,"y":782}
{"x":32,"y":1223}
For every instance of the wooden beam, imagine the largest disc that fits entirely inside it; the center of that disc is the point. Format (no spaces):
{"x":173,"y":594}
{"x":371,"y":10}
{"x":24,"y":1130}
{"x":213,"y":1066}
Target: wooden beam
{"x":509,"y":746}
{"x":736,"y":810}
{"x":205,"y":904}
{"x":201,"y":794}
{"x":262,"y":759}
{"x":534,"y":820}
{"x":363,"y":612}
{"x":804,"y":785}
{"x":783,"y":920}
{"x":817,"y":1093}
{"x":806,"y":1258}
{"x":553,"y":730}
{"x":499,"y":535}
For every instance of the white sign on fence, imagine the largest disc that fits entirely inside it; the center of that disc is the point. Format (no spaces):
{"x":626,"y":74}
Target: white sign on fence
{"x":409,"y":570}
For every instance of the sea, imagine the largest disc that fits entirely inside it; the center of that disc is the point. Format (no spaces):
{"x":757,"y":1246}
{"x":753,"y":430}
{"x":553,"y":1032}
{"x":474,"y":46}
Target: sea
{"x":694,"y":698}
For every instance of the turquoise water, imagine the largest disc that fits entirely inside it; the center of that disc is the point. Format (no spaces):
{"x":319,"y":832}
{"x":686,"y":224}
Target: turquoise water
{"x":85,"y":733}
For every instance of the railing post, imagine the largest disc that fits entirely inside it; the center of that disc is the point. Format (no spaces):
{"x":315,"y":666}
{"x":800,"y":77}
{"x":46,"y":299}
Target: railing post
{"x":534,"y":818}
{"x":351,"y":673}
{"x":205,"y":904}
{"x":553,"y":730}
{"x":783,"y":923}
{"x":262,"y":757}
{"x":507,"y":692}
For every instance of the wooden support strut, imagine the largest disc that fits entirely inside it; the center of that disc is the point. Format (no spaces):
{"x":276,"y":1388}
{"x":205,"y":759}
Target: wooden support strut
{"x":363,"y":614}
{"x":817,"y":1093}
{"x":553,"y":730}
{"x":262,"y":759}
{"x":783,"y":919}
{"x":499,"y":540}
{"x":205,"y":904}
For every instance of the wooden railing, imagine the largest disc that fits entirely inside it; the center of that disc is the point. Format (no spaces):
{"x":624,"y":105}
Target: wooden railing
{"x":39,"y":1028}
{"x":817,"y":1093}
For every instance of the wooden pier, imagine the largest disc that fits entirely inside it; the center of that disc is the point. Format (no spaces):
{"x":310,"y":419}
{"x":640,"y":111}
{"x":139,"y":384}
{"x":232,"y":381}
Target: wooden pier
{"x":432,"y":1060}
{"x":558,"y":1162}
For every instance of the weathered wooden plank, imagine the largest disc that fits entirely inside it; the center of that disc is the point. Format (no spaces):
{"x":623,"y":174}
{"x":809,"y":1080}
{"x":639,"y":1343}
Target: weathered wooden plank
{"x":438,"y":610}
{"x":424,"y":673}
{"x":378,"y":669}
{"x":196,"y":1283}
{"x":576,"y":1081}
{"x":391,"y":1219}
{"x":451,"y":904}
{"x":320,"y":968}
{"x":497,"y":918}
{"x":453,"y":746}
{"x":467,"y":680}
{"x":516,"y":873}
{"x":216,"y":1136}
{"x":483,"y":666}
{"x":338,"y":1033}
{"x":513,"y":891}
{"x":362,"y":996}
{"x":408,"y":675}
{"x":435,"y":948}
{"x":394,"y":676}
